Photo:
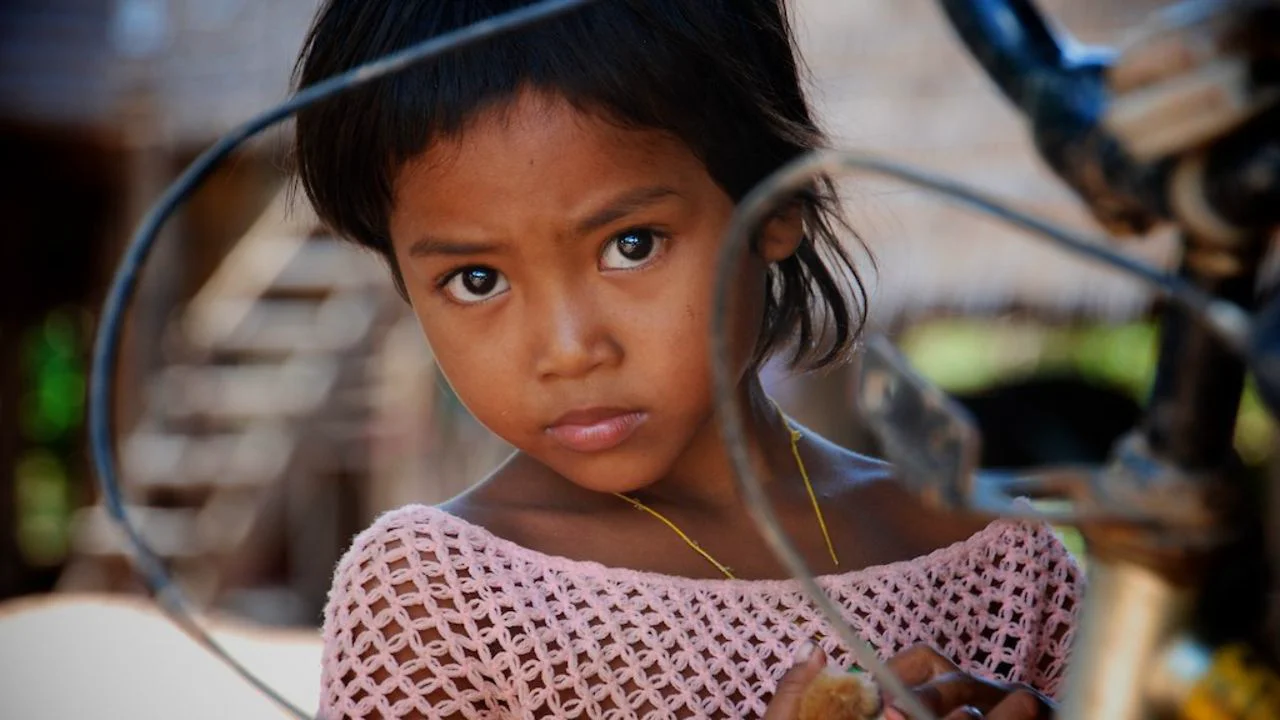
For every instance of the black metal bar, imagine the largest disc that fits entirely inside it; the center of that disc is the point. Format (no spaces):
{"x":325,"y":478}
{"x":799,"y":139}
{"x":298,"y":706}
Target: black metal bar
{"x":1013,"y":43}
{"x":1060,"y":87}
{"x":1242,"y":174}
{"x":1191,"y":413}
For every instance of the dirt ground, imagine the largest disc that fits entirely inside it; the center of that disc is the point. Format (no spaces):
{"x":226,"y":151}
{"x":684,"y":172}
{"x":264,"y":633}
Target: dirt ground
{"x":118,"y":658}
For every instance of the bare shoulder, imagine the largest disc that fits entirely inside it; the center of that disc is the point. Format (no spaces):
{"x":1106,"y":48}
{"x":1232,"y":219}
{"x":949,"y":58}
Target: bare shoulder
{"x":525,"y":503}
{"x":500,"y":501}
{"x":870,"y":490}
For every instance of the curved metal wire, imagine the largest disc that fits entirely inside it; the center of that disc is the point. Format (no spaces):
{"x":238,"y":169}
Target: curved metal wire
{"x":1230,"y":322}
{"x":123,"y":286}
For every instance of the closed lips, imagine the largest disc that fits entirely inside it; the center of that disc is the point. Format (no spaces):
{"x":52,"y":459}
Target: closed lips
{"x":595,"y":429}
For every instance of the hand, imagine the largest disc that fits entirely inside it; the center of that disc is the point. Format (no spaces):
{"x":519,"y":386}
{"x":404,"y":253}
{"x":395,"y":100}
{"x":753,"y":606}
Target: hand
{"x":952,"y":694}
{"x":785,"y":705}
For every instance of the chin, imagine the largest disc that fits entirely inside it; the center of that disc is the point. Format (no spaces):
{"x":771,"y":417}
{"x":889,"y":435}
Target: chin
{"x":612,"y":472}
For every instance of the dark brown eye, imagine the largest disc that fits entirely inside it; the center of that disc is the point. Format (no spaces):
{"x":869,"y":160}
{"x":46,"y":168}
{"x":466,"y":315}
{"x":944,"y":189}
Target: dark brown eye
{"x":480,"y":281}
{"x":630,"y":249}
{"x":475,"y":284}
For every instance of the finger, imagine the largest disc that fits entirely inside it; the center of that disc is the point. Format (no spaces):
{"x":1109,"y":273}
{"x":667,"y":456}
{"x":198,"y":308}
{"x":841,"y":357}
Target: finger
{"x":968,"y":712}
{"x":1022,"y":704}
{"x":947,"y":693}
{"x":919,"y":664}
{"x":810,"y":662}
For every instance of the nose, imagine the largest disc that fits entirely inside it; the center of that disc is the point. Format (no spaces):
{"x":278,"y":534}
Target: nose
{"x":574,"y":338}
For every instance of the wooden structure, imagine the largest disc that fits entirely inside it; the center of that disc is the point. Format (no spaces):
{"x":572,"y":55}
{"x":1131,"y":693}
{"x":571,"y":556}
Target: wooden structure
{"x":246,"y":464}
{"x":101,"y":104}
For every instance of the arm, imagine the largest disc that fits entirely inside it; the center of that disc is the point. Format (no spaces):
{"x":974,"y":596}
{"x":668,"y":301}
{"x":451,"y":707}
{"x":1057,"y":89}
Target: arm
{"x":399,"y":641}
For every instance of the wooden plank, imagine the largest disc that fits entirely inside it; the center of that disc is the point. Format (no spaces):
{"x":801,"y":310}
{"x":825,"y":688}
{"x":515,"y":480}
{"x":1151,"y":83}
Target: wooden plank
{"x":283,"y":327}
{"x":171,"y":533}
{"x":249,"y":269}
{"x":242,"y":394}
{"x":257,"y":457}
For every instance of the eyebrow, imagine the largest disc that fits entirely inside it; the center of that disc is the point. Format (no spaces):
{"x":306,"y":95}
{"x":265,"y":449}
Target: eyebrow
{"x":617,"y":209}
{"x":624,"y":205}
{"x":435,"y":246}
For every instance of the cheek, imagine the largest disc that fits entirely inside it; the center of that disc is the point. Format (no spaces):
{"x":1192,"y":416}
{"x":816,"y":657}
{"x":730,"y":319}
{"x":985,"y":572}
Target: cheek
{"x":683,"y":334}
{"x":748,"y":318}
{"x":746,"y":312}
{"x":477,"y":365}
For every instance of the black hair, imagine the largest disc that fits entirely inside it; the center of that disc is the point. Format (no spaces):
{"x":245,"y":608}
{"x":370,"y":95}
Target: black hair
{"x":721,"y":75}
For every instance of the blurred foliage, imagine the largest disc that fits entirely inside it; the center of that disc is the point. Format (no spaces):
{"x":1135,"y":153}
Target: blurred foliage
{"x":44,"y":507}
{"x":966,"y":355}
{"x":55,"y":381}
{"x":52,"y":410}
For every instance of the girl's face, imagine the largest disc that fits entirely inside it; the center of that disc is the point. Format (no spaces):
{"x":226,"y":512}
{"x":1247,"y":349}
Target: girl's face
{"x":562,"y":269}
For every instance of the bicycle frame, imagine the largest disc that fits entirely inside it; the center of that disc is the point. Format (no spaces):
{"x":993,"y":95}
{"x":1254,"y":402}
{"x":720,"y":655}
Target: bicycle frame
{"x":1153,"y":641}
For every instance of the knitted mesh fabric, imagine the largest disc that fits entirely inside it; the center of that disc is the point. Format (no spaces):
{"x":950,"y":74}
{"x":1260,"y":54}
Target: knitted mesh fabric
{"x":431,"y":616}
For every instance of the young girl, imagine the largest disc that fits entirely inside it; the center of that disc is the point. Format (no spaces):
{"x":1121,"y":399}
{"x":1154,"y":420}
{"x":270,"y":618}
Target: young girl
{"x":551,"y":203}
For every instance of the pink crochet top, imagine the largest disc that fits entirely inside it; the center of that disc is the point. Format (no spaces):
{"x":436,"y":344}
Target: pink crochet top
{"x":431,"y":616}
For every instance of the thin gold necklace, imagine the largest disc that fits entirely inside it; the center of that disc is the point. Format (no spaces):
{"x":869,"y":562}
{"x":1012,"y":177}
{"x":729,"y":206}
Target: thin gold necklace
{"x":804,"y":475}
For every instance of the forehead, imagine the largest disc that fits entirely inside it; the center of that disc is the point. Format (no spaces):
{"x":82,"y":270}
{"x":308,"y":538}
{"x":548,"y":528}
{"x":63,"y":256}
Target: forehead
{"x":541,"y":154}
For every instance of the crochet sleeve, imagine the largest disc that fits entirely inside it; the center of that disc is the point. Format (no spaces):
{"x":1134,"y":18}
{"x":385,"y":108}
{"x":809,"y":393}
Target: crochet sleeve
{"x":1056,"y":612}
{"x":401,"y":637}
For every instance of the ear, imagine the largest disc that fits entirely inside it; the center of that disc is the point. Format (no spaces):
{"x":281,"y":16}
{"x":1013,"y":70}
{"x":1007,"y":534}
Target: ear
{"x":781,"y":233}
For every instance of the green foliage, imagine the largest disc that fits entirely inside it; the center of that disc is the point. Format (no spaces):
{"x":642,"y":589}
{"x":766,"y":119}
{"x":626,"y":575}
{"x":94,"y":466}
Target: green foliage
{"x":51,"y":412}
{"x":968,"y":355}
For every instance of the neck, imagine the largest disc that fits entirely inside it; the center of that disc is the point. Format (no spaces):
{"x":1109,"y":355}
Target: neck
{"x":704,"y":477}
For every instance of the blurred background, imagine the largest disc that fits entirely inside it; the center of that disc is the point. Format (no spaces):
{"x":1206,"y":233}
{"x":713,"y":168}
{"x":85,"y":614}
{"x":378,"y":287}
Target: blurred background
{"x":276,"y":395}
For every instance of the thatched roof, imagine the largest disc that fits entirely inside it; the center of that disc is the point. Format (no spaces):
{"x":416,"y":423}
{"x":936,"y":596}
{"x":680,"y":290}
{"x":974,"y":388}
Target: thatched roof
{"x":891,"y":77}
{"x":88,"y":64}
